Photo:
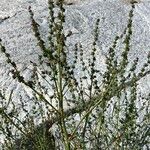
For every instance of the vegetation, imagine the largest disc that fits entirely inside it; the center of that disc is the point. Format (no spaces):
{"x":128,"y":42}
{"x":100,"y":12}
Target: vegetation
{"x":90,"y":111}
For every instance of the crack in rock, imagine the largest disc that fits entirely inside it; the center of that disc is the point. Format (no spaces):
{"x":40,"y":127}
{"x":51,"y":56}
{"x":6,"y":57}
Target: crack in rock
{"x":2,"y":19}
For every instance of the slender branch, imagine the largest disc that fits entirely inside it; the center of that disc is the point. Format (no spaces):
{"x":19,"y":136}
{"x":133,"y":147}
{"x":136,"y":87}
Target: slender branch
{"x":91,"y":102}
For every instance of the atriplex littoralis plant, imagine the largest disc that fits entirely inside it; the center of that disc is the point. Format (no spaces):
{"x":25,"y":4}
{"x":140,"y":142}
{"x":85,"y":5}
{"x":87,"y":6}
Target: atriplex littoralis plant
{"x":108,"y":117}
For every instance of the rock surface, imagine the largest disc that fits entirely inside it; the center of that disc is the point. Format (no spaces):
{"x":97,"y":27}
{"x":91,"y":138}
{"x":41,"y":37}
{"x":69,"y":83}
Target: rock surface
{"x":17,"y":36}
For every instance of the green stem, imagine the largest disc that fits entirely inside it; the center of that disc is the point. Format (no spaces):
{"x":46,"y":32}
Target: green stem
{"x":60,"y":96}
